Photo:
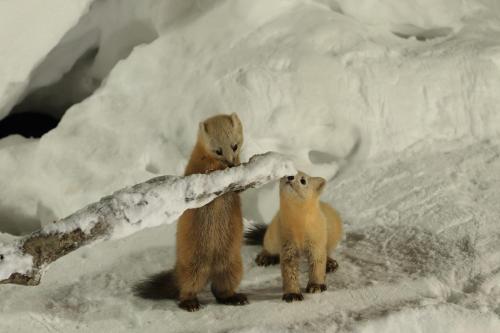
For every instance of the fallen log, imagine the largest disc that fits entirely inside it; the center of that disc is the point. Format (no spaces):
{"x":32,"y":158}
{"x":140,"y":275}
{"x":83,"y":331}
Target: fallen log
{"x":160,"y":200}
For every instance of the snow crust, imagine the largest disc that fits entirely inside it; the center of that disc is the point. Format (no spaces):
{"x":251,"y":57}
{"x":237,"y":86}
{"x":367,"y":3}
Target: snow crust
{"x":12,"y":260}
{"x":398,"y":100}
{"x":439,"y":319}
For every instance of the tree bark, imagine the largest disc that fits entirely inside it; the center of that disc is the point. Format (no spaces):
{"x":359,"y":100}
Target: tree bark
{"x":157,"y":201}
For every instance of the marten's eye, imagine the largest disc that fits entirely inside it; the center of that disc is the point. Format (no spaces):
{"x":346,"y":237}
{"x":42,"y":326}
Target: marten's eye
{"x":219,"y":151}
{"x":302,"y":181}
{"x":234,"y":147}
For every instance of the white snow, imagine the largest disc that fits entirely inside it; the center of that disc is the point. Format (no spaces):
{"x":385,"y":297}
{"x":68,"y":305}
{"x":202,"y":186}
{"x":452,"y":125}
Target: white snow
{"x":397,"y":99}
{"x":12,"y":260}
{"x":435,"y":319}
{"x":29,"y":31}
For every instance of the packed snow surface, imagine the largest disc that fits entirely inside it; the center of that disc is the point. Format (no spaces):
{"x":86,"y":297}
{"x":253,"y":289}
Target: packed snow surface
{"x":395,"y":102}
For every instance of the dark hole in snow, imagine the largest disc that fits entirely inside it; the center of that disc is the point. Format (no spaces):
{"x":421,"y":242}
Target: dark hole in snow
{"x":52,"y":92}
{"x":1,"y":256}
{"x":70,"y":73}
{"x":408,"y":31}
{"x":40,"y":111}
{"x":27,"y":124}
{"x":320,"y":157}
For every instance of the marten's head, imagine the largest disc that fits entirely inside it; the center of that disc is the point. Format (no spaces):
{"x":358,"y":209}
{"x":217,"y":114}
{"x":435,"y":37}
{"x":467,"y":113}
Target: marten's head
{"x":222,"y":137}
{"x":301,"y":188}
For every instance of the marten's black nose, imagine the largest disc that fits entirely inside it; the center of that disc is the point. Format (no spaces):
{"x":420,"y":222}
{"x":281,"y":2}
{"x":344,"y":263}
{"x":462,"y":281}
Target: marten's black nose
{"x":290,"y":178}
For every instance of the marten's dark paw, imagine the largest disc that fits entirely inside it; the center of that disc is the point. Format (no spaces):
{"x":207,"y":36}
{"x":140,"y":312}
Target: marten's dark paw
{"x":190,"y":305}
{"x":331,"y":265}
{"x":292,"y":297}
{"x":267,"y":260}
{"x":313,"y":288}
{"x":236,"y":299}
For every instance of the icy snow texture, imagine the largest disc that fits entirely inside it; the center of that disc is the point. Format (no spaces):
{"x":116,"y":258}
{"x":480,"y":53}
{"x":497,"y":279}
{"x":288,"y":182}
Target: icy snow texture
{"x":440,"y":319}
{"x":308,"y":78}
{"x":12,"y":260}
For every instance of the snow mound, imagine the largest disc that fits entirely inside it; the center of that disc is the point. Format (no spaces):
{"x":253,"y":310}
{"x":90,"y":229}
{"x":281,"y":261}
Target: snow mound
{"x":440,"y":319}
{"x":85,"y":55}
{"x":381,"y":284}
{"x":306,"y":79}
{"x":28,"y":39}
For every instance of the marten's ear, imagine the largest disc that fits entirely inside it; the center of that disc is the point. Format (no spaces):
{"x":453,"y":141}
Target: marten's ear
{"x":319,"y":184}
{"x":203,"y":128}
{"x":235,"y":120}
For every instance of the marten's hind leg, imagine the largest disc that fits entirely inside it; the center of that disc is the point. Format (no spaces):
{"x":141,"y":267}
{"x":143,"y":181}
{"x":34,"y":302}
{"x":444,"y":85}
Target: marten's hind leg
{"x":264,"y":258}
{"x":226,"y":277}
{"x":192,"y":277}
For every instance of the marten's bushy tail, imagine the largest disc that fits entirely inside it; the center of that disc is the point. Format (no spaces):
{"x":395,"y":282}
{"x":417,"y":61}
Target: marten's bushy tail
{"x":255,"y":234}
{"x":159,"y":286}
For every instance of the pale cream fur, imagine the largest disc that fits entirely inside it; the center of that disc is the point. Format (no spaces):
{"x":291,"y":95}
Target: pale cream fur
{"x":272,"y":239}
{"x":306,"y":225}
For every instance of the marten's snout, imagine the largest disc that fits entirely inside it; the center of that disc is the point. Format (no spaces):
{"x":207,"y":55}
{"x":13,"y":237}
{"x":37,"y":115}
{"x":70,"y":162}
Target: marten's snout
{"x":290,"y":178}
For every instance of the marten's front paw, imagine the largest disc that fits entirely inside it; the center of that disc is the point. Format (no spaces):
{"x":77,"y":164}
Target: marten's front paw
{"x":292,"y":297}
{"x":313,"y":288}
{"x":267,"y":260}
{"x":190,"y":305}
{"x":236,"y":299}
{"x":331,"y":265}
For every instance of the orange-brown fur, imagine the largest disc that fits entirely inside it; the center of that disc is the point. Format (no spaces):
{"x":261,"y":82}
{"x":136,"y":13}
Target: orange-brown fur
{"x":209,"y":238}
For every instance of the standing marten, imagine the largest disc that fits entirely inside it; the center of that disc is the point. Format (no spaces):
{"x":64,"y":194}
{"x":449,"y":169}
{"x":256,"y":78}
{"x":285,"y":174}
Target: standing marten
{"x":209,"y":238}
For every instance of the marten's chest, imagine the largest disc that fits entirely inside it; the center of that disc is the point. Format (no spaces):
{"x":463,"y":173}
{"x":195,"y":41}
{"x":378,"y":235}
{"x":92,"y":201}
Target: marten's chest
{"x":219,"y":213}
{"x":303,"y":230}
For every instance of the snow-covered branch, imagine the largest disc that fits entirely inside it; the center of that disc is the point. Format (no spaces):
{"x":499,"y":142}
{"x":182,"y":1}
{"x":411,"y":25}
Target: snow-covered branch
{"x":157,"y":201}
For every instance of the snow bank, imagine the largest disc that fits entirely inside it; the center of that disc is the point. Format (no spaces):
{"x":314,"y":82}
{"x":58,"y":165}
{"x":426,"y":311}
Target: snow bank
{"x":85,"y":55}
{"x":313,"y":79}
{"x":387,"y":84}
{"x":30,"y":29}
{"x":306,"y":79}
